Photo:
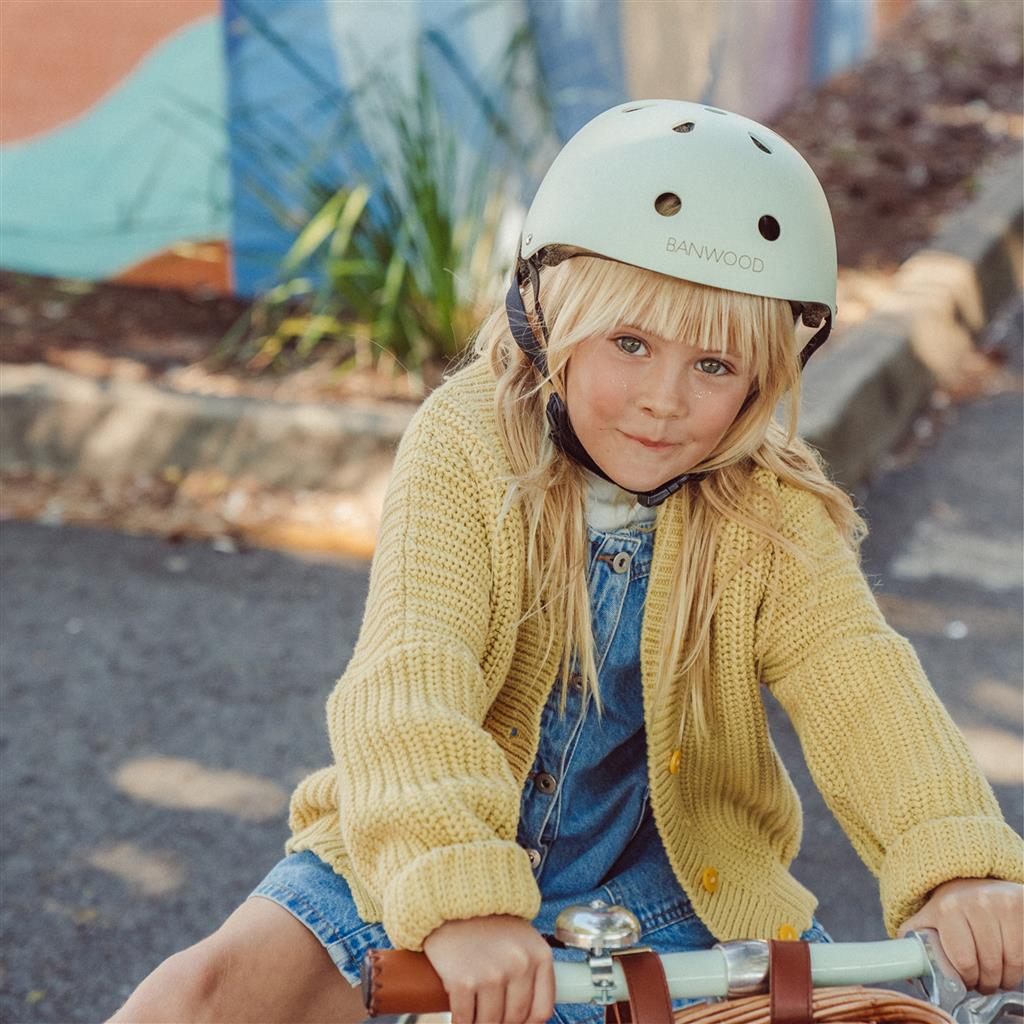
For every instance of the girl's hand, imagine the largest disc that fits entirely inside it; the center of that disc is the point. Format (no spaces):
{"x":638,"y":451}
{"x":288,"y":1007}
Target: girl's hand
{"x":980,"y":922}
{"x":496,"y":970}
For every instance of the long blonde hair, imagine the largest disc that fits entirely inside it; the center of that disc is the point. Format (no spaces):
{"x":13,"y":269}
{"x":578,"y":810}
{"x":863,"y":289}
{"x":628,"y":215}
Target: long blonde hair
{"x":581,"y":297}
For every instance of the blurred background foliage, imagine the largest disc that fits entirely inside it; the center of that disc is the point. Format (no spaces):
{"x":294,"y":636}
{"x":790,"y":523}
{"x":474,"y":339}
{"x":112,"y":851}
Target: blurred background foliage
{"x":395,"y":268}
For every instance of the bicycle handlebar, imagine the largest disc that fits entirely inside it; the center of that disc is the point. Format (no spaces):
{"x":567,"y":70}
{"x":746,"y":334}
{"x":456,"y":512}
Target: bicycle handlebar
{"x":401,"y":981}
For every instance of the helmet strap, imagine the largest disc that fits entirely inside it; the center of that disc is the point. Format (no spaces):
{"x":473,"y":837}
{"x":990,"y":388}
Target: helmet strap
{"x":563,"y":436}
{"x":518,"y":321}
{"x":817,"y":340}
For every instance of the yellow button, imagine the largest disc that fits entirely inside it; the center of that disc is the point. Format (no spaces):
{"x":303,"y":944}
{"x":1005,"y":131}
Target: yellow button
{"x":787,"y":933}
{"x":710,"y":879}
{"x":675,"y":761}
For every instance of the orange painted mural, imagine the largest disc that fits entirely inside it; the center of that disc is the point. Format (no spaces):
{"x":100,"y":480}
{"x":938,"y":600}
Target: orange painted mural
{"x":113,"y":140}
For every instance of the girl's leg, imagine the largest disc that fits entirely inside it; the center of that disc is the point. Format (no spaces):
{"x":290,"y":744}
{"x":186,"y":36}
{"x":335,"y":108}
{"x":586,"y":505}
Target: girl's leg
{"x":261,"y":965}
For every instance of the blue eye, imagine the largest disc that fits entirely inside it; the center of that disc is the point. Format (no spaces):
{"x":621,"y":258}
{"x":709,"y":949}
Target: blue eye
{"x":719,"y":369}
{"x":629,"y":340}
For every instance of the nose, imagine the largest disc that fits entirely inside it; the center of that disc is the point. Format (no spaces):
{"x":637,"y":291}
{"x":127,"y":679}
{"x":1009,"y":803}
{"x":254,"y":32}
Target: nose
{"x":663,"y":395}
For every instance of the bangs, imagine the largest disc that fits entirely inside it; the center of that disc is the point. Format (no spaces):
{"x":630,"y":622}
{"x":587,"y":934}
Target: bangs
{"x":594,"y":294}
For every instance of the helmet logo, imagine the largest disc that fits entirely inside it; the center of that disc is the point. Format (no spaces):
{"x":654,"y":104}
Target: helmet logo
{"x":711,"y":255}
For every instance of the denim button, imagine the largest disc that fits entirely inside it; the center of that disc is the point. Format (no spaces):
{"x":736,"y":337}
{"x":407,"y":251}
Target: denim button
{"x":545,"y":783}
{"x":576,"y":681}
{"x":534,"y":856}
{"x":620,"y":563}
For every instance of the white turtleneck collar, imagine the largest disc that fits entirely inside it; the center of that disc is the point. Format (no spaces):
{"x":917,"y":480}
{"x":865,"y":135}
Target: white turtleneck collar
{"x":609,"y":507}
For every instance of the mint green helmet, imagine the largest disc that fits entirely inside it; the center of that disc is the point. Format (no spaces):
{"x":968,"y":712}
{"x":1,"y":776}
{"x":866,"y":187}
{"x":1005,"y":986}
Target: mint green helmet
{"x":693,"y":192}
{"x":686,"y":190}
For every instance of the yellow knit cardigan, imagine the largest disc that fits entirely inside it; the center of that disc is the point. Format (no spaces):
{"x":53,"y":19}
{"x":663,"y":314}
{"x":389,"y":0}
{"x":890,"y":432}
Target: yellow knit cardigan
{"x":435,"y":722}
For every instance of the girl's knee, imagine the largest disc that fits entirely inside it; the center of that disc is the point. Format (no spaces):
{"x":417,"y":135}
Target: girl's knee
{"x":181,"y":988}
{"x":261,"y":964}
{"x":197,"y":972}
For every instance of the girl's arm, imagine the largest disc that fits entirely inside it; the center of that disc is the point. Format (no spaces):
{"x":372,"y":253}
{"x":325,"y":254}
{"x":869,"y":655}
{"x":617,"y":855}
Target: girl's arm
{"x":885,"y":754}
{"x":428,"y":804}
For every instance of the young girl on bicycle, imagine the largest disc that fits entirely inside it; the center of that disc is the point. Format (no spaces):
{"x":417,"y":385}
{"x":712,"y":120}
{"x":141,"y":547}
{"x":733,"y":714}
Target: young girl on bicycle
{"x":596,"y":546}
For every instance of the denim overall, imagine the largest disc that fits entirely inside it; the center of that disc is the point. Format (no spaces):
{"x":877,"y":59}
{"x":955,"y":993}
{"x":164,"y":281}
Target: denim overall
{"x":585,"y":818}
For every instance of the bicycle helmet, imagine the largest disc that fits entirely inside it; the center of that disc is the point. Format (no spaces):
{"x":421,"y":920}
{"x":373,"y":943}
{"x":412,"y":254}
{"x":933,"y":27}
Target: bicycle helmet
{"x":686,"y":190}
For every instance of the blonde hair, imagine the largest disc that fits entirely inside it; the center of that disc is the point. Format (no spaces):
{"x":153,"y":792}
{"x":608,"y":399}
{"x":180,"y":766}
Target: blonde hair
{"x":581,"y":297}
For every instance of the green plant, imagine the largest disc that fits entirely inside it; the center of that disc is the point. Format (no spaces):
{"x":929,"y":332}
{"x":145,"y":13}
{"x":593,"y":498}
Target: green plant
{"x":399,"y":267}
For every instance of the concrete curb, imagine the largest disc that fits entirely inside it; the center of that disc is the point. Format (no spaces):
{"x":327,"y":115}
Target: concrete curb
{"x":859,"y":397}
{"x":103,"y":428}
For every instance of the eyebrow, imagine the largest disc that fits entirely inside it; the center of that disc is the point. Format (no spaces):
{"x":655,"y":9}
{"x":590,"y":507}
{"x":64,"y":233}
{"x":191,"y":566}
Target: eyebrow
{"x":644,"y":330}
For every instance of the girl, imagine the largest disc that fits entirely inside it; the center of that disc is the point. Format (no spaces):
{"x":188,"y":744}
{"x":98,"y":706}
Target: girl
{"x":596,"y":545}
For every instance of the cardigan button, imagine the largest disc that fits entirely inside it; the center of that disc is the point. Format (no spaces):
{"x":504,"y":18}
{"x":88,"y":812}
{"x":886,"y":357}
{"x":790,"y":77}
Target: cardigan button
{"x":787,"y":933}
{"x":675,"y":761}
{"x":576,"y":681}
{"x":710,"y":879}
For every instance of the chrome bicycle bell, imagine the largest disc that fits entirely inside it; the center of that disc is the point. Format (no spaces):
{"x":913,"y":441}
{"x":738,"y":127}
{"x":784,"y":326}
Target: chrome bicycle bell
{"x":598,"y":927}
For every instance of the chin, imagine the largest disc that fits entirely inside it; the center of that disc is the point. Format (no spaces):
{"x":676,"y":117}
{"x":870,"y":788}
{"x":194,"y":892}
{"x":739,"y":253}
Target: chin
{"x":629,"y":481}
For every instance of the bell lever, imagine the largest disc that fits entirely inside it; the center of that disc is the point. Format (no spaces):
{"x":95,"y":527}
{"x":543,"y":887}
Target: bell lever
{"x":943,"y":988}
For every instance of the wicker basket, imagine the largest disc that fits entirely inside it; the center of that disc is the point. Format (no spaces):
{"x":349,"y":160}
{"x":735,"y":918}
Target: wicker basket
{"x":851,"y":1003}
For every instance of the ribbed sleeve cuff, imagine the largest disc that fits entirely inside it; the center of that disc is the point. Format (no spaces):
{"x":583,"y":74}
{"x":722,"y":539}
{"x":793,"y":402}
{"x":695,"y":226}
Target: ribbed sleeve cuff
{"x":453,"y":883}
{"x":942,"y":849}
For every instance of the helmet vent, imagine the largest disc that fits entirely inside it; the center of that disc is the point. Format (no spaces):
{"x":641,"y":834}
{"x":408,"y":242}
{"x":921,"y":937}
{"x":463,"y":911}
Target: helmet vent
{"x":686,"y":126}
{"x":715,"y":110}
{"x":760,"y":145}
{"x":769,"y":227}
{"x":631,"y":110}
{"x":668,"y":204}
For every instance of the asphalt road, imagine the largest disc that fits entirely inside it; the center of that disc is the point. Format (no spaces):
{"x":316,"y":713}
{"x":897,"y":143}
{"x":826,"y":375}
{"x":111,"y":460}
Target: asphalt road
{"x":160,"y":701}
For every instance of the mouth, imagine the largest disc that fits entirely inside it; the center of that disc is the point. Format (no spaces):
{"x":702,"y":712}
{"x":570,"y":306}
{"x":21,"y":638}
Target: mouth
{"x":648,"y":443}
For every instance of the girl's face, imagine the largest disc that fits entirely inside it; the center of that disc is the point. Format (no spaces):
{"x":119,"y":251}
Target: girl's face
{"x":647,"y":408}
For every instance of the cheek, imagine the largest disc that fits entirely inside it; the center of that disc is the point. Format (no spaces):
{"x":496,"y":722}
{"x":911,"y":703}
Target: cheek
{"x":596,"y":400}
{"x":607,"y":401}
{"x":721,"y":412}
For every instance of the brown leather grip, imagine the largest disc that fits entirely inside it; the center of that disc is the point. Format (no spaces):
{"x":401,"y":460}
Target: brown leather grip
{"x":789,"y":982}
{"x":649,"y":1000}
{"x":397,"y":981}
